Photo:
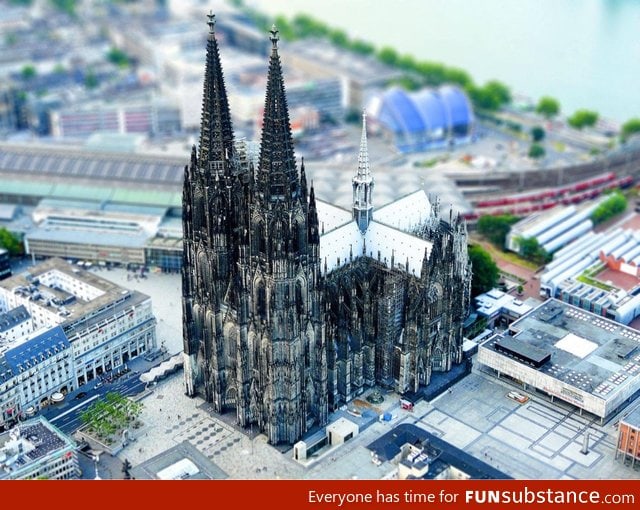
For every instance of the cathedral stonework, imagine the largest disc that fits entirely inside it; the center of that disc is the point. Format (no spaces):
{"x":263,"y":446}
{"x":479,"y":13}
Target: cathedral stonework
{"x":293,"y":306}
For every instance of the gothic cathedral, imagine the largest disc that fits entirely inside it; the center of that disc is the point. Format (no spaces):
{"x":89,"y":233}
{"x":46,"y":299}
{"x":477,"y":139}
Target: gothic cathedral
{"x":293,"y":306}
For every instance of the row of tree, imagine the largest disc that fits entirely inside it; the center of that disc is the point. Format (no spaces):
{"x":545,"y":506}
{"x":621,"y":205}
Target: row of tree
{"x":11,"y":242}
{"x":111,"y":415}
{"x":612,"y":206}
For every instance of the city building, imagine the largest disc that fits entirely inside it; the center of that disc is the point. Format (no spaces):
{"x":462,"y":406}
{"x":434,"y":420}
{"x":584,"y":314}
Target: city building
{"x":628,"y":441}
{"x":570,"y":354}
{"x":5,"y":264}
{"x":36,"y":370}
{"x":426,"y":119}
{"x":360,"y":75}
{"x":552,"y":229}
{"x":153,"y":118}
{"x":601,"y":299}
{"x":292,"y":306}
{"x":597,"y":272}
{"x":35,"y":449}
{"x":13,"y":111}
{"x":105,"y":324}
{"x":29,"y":173}
{"x":421,"y":455}
{"x":500,"y":308}
{"x":15,"y":324}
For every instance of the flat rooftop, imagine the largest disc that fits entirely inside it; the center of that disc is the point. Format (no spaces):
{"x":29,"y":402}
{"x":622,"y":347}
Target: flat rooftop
{"x":29,"y":442}
{"x":182,"y":462}
{"x":589,"y":352}
{"x":633,"y":418}
{"x":95,"y":298}
{"x":444,"y":454}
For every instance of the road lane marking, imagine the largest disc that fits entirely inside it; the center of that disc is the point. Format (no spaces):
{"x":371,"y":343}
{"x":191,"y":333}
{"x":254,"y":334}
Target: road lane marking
{"x":74,"y":408}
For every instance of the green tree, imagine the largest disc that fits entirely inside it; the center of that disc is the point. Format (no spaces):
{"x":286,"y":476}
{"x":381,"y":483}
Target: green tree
{"x":406,"y":62}
{"x":536,"y":151}
{"x":499,"y":90}
{"x":10,"y":39}
{"x":491,"y":96}
{"x":286,"y":29}
{"x":11,"y":242}
{"x":407,"y":82}
{"x":629,"y":128}
{"x":306,"y":26}
{"x":28,"y":72}
{"x":432,"y":73}
{"x":483,"y":99}
{"x":339,"y":38}
{"x":362,"y":47}
{"x":613,"y":205}
{"x":388,"y":56}
{"x":90,"y":79}
{"x":496,"y":228}
{"x":118,"y":57}
{"x":583,"y":118}
{"x":530,"y":249}
{"x":484,"y":271}
{"x":458,"y":76}
{"x":537,"y":133}
{"x":548,"y":107}
{"x":67,"y":6}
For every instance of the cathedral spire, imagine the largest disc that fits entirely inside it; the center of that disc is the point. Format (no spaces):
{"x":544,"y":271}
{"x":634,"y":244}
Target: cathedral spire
{"x":303,"y":181}
{"x":277,"y":175}
{"x":314,"y":234}
{"x":363,"y":183}
{"x":216,"y":132}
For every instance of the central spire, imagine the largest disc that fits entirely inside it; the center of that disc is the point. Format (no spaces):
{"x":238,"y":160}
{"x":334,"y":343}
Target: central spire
{"x":363,"y":183}
{"x":216,"y":135}
{"x":278,"y":176}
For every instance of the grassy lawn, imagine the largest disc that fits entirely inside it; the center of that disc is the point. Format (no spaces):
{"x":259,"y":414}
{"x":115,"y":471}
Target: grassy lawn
{"x":588,"y":277}
{"x":508,"y":256}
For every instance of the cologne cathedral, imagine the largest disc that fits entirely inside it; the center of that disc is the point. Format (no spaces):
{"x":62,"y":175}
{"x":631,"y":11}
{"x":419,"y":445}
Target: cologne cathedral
{"x":293,"y":306}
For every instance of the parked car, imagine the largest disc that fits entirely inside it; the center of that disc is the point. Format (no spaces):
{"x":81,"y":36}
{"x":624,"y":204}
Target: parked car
{"x":518,"y":397}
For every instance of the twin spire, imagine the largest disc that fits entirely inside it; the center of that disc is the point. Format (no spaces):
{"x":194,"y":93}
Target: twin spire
{"x":216,"y":135}
{"x":277,"y":178}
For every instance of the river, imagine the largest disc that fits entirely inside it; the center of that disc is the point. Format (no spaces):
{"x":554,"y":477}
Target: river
{"x":585,"y":53}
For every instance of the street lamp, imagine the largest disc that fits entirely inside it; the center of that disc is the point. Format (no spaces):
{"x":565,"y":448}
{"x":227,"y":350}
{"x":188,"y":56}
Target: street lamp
{"x":96,"y":459}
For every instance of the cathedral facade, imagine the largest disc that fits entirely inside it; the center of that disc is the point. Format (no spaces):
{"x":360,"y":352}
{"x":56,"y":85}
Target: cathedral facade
{"x":293,"y":306}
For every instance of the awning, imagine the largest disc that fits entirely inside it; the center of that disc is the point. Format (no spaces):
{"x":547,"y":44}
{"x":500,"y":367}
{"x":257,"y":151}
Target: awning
{"x":57,"y":397}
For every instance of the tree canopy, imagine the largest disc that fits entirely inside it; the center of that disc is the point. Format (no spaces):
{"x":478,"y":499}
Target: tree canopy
{"x":629,"y":128}
{"x":118,"y":57}
{"x":491,"y":96}
{"x":548,"y":107}
{"x":583,"y":118}
{"x":496,"y":228}
{"x":537,"y":133}
{"x":111,"y":415}
{"x":530,"y":249}
{"x":68,"y":6}
{"x":613,"y":205}
{"x":11,"y":242}
{"x":28,"y":72}
{"x":485,"y":271}
{"x":536,"y":151}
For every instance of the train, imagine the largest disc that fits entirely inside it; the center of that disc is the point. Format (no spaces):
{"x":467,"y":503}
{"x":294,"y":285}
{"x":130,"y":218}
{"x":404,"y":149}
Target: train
{"x":527,"y":203}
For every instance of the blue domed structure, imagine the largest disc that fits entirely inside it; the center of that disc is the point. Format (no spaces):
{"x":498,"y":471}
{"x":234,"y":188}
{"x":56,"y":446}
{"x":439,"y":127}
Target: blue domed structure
{"x":428,"y":118}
